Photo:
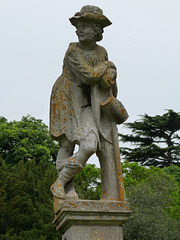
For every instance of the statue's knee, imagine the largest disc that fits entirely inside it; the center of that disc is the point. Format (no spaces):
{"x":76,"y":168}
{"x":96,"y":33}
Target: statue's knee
{"x":65,"y":145}
{"x":89,"y":145}
{"x":91,"y":149}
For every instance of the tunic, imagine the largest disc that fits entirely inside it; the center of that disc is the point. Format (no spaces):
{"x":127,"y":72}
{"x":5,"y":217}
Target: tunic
{"x":75,"y":98}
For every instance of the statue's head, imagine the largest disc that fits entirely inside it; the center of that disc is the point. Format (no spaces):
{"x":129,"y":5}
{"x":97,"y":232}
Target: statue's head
{"x":90,"y":19}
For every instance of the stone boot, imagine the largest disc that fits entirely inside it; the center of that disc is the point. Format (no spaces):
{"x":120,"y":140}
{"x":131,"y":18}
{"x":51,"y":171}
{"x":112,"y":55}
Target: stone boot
{"x":71,"y":167}
{"x":70,"y":190}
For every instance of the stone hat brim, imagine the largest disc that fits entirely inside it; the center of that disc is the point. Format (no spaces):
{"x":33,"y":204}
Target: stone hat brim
{"x":93,"y":17}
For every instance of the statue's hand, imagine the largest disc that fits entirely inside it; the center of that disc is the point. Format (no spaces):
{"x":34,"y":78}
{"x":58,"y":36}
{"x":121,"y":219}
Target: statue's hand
{"x":110,"y":64}
{"x":109,"y":78}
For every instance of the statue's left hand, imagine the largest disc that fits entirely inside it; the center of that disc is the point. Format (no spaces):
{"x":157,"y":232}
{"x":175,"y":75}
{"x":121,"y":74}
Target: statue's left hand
{"x":109,"y":78}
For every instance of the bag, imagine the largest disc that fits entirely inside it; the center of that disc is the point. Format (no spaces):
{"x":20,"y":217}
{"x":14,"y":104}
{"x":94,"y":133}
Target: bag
{"x":114,"y":109}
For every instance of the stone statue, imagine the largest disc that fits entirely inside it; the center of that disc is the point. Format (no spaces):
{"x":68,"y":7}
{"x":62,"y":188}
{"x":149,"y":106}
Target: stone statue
{"x":84,"y":110}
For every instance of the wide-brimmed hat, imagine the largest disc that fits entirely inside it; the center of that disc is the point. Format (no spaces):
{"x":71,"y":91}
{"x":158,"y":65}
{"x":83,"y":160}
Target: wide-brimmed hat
{"x":90,"y":13}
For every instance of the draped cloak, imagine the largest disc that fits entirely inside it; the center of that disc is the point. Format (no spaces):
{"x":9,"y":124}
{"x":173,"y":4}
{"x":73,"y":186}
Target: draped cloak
{"x":75,"y":98}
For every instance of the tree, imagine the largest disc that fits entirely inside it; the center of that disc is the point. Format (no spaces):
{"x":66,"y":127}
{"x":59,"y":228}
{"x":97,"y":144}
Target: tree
{"x":154,"y":198}
{"x":156,"y":139}
{"x":134,"y":174}
{"x":26,"y":202}
{"x":27,"y":172}
{"x":174,"y":210}
{"x":173,"y":171}
{"x":25,"y":140}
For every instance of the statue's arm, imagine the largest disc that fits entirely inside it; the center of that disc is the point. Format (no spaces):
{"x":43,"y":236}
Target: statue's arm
{"x":88,"y":74}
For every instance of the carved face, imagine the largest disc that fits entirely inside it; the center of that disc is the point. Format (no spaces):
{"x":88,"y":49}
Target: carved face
{"x":86,"y":32}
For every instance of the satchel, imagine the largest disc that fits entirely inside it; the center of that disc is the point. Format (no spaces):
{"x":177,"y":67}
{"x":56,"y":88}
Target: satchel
{"x":114,"y":110}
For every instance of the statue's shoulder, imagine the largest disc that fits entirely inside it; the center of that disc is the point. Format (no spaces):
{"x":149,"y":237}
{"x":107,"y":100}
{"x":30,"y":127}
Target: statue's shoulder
{"x":102,"y":49}
{"x":71,"y":48}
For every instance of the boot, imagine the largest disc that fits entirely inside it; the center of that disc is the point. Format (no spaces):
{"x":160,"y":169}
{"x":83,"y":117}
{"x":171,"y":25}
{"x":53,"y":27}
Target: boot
{"x":71,"y":167}
{"x":70,"y":190}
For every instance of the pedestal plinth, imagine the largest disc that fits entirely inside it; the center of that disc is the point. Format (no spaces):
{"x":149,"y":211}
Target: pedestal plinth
{"x":91,"y":220}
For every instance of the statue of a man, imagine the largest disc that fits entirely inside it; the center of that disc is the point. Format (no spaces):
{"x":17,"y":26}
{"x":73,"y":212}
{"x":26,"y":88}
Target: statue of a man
{"x":83,"y":103}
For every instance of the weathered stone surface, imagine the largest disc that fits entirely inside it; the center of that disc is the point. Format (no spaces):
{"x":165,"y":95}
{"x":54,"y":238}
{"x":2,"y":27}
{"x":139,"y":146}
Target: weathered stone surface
{"x":74,"y":214}
{"x":79,"y":232}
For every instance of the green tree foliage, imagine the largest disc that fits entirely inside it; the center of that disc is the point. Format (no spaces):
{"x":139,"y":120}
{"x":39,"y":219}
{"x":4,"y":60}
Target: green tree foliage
{"x":25,"y":140}
{"x":156,"y":140}
{"x":133,"y":173}
{"x":174,"y":210}
{"x":173,"y":171}
{"x":154,"y":198}
{"x":26,"y":202}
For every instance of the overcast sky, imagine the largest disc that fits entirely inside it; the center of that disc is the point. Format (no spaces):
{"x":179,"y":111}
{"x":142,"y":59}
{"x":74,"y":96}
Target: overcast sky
{"x":143,"y":42}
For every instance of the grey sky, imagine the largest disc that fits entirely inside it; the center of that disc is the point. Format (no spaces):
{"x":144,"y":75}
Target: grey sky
{"x":143,"y":42}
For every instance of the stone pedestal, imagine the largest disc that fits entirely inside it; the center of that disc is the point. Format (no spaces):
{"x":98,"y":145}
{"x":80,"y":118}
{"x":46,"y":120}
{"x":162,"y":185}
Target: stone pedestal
{"x":91,"y":220}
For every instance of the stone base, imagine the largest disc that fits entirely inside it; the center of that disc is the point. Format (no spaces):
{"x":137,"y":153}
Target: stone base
{"x":79,"y":232}
{"x":91,"y":220}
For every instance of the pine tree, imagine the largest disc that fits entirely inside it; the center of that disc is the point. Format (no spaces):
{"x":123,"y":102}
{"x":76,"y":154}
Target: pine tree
{"x":156,"y":140}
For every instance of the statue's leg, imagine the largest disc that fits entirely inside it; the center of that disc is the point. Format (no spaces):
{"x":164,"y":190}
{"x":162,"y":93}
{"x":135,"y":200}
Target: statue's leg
{"x":74,"y":164}
{"x":66,"y":149}
{"x":109,"y":178}
{"x":87,"y":148}
{"x":71,"y":167}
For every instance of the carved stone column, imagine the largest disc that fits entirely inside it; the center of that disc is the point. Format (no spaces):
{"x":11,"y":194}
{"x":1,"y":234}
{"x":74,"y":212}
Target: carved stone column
{"x":91,"y":220}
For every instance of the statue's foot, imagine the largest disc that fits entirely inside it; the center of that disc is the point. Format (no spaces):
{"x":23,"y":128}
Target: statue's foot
{"x":70,"y":190}
{"x":57,"y":205}
{"x":57,"y":189}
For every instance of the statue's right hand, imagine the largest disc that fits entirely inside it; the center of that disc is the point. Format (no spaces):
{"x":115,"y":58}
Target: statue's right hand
{"x":109,"y":78}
